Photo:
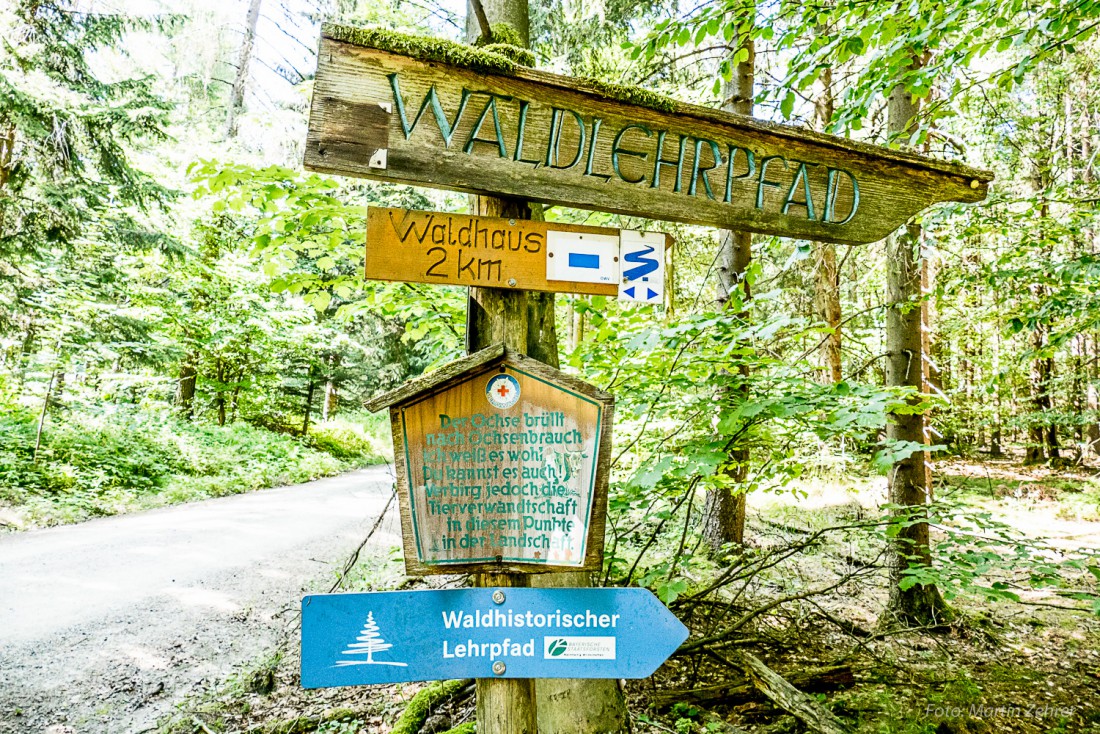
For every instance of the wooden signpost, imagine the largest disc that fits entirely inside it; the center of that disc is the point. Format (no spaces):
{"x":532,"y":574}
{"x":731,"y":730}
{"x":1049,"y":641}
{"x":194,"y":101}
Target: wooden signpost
{"x":502,"y":466}
{"x":503,"y":462}
{"x":428,"y":114}
{"x":489,"y":252}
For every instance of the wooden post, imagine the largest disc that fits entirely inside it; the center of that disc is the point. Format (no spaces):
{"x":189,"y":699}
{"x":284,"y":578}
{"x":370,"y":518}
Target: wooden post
{"x":505,"y":705}
{"x":496,"y":316}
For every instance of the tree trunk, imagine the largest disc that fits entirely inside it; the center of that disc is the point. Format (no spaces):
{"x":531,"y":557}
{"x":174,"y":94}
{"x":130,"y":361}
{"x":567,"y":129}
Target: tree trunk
{"x":724,"y":510}
{"x":1041,"y":434}
{"x":1092,"y":401}
{"x":577,"y":329}
{"x":26,"y":347}
{"x":185,"y":388}
{"x":995,"y":433}
{"x":826,"y":276}
{"x":1054,"y":450}
{"x":240,"y":80}
{"x":512,"y":13}
{"x":221,"y":376}
{"x":42,"y":416}
{"x":332,"y":392}
{"x":235,"y":403}
{"x":310,"y":388}
{"x":827,"y":303}
{"x":7,"y":150}
{"x":332,"y":398}
{"x":1078,"y":347}
{"x":909,"y":478}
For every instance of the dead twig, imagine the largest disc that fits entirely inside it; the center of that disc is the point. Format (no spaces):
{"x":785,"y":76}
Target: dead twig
{"x":354,"y":558}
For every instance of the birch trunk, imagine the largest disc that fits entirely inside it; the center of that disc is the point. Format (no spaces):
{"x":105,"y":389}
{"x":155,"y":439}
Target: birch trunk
{"x":724,"y":511}
{"x":909,"y":479}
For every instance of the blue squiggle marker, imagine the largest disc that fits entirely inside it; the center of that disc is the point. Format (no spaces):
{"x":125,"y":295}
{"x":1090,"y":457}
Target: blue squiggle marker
{"x":645,"y":265}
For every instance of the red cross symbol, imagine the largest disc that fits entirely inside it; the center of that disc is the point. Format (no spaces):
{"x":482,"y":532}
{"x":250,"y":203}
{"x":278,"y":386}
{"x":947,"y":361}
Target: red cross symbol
{"x":503,"y":390}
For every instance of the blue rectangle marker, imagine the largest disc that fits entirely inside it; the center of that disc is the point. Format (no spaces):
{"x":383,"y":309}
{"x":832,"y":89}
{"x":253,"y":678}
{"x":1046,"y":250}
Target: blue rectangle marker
{"x":581,"y":260}
{"x":397,"y":636}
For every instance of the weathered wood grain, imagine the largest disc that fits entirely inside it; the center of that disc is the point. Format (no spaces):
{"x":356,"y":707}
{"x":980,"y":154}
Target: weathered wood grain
{"x":432,"y":542}
{"x":580,"y":147}
{"x":463,"y":249}
{"x":441,"y":377}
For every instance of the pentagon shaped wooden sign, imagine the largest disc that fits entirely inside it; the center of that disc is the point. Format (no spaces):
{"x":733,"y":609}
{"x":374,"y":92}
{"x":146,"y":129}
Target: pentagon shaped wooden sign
{"x":434,"y":113}
{"x":502,"y":466}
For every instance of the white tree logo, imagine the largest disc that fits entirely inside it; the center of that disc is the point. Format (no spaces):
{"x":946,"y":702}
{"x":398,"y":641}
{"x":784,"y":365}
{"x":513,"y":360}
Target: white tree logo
{"x":368,"y":642}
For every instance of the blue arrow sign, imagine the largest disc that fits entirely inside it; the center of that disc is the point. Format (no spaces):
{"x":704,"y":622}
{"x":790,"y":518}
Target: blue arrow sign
{"x":396,"y":636}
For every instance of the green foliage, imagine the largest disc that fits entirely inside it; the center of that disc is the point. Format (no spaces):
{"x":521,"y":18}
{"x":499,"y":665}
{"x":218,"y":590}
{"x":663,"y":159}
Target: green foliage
{"x":979,"y":555}
{"x":114,"y":460}
{"x":72,"y":128}
{"x":916,"y":47}
{"x":306,"y":231}
{"x":353,"y":437}
{"x":691,"y":397}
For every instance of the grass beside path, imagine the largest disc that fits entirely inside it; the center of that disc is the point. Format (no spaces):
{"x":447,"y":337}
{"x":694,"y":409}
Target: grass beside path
{"x":107,"y":462}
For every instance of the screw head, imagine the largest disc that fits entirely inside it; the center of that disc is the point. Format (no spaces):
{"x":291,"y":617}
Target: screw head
{"x":499,"y":667}
{"x":512,"y":282}
{"x":511,"y":221}
{"x":498,"y":597}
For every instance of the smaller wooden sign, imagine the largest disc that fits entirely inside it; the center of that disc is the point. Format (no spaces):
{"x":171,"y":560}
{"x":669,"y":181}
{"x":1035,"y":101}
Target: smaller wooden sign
{"x":502,"y":467}
{"x":460,"y":249}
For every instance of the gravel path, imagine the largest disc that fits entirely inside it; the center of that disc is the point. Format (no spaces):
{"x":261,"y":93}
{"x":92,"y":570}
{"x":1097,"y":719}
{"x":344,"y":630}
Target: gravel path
{"x":106,"y":625}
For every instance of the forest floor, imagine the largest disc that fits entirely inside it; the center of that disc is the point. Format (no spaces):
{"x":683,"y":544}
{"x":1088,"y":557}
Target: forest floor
{"x":1029,"y":666}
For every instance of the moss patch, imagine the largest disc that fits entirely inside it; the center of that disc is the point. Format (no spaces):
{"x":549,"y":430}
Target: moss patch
{"x":468,"y":728}
{"x":633,"y":95}
{"x":504,"y":33}
{"x":423,"y":48}
{"x":420,"y":705}
{"x":502,"y":56}
{"x":521,"y":56}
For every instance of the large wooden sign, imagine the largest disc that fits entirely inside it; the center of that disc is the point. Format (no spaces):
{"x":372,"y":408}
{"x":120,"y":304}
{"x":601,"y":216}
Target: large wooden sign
{"x":514,"y":131}
{"x":502,"y":466}
{"x":462,"y":249}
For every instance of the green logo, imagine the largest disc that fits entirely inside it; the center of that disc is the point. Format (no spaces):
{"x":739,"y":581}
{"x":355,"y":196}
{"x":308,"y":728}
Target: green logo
{"x":557,"y":647}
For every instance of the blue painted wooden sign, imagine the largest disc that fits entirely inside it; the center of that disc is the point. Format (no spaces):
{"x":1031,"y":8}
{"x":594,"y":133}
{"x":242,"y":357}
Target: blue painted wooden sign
{"x":391,"y":637}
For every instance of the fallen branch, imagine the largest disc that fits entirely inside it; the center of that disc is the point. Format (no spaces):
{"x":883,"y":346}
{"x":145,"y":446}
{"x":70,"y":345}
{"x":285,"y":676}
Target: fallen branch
{"x":723,"y":638}
{"x":806,"y":709}
{"x":420,"y":705}
{"x":816,"y":681}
